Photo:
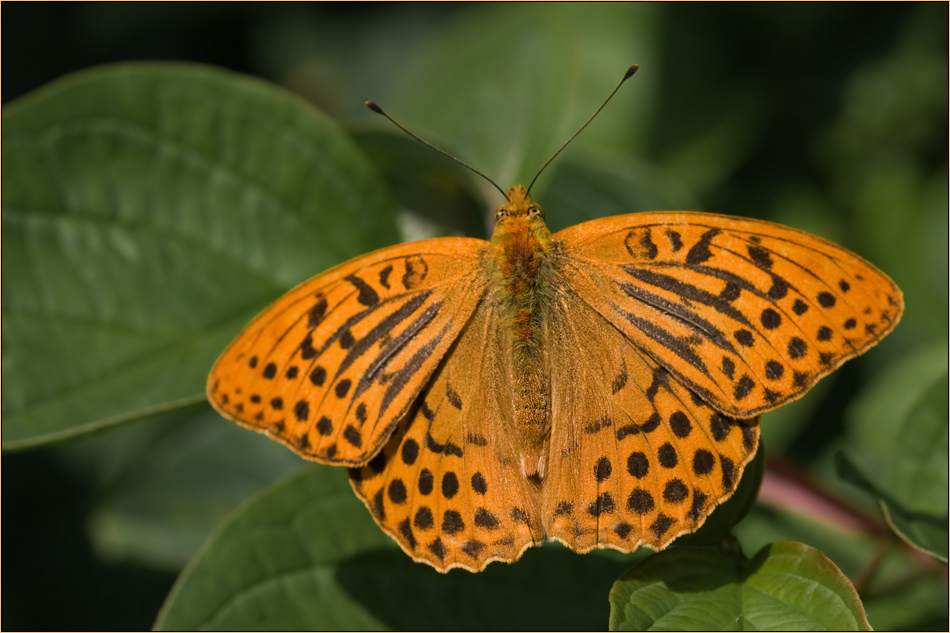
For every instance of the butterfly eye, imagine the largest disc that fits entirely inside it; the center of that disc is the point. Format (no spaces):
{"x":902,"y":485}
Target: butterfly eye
{"x":535,"y":210}
{"x":499,"y":214}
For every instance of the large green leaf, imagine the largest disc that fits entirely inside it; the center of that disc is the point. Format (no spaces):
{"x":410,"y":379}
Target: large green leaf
{"x":306,"y":554}
{"x":162,"y":485}
{"x":437,"y":190}
{"x":505,"y":103}
{"x":898,"y":573}
{"x":149,"y":210}
{"x":786,"y":586}
{"x":588,"y":185}
{"x":899,"y":423}
{"x":924,"y":530}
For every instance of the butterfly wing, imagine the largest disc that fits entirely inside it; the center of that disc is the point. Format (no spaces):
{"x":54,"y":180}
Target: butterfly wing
{"x":334,"y":364}
{"x":636,"y":457}
{"x":448,"y":485}
{"x":747,"y":313}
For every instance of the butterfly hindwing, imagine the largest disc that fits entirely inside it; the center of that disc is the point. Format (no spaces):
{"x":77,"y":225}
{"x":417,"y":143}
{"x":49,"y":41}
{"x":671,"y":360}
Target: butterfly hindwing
{"x":448,"y":485}
{"x":636,"y":457}
{"x":748,"y":313}
{"x":334,"y":364}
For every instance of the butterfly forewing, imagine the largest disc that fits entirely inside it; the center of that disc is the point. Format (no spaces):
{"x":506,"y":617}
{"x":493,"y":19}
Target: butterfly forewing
{"x":448,"y":486}
{"x":636,"y":457}
{"x":333,"y":365}
{"x":748,"y":313}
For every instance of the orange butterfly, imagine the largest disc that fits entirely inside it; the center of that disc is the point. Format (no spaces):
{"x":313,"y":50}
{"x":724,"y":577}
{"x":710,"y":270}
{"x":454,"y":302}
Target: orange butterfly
{"x":599,"y":386}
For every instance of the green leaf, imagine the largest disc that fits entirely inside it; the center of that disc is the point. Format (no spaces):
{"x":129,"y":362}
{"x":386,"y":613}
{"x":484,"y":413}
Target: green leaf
{"x":162,"y":485}
{"x":432,"y":186}
{"x":149,"y":211}
{"x":598,"y":185}
{"x":926,"y":532}
{"x":306,"y":554}
{"x":506,"y":108}
{"x":900,"y":429}
{"x":851,"y":550}
{"x":786,"y":586}
{"x":272,"y":565}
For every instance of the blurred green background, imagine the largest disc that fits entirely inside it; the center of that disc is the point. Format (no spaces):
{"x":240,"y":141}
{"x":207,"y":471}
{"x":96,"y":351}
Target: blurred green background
{"x":828,"y":117}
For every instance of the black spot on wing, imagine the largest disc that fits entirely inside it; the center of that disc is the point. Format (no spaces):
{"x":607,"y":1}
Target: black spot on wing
{"x":826,"y":299}
{"x":453,"y":397}
{"x":423,"y":518}
{"x":318,"y":376}
{"x":676,"y":241}
{"x":779,"y":288}
{"x":797,"y":347}
{"x":477,"y":439}
{"x":416,"y":271}
{"x":728,"y":367}
{"x":384,"y":276}
{"x":652,"y":423}
{"x":759,"y":256}
{"x":307,"y":350}
{"x":317,"y":312}
{"x":406,"y":531}
{"x":485,"y":519}
{"x":603,"y":504}
{"x":730,"y":292}
{"x":649,"y":248}
{"x":640,"y":501}
{"x":439,"y":449}
{"x":473,"y":547}
{"x":743,"y":387}
{"x":620,"y":381}
{"x":660,"y":526}
{"x":700,"y":253}
{"x":352,"y":435}
{"x":367,"y":296}
{"x":770,"y":319}
{"x":602,"y":469}
{"x":598,"y":425}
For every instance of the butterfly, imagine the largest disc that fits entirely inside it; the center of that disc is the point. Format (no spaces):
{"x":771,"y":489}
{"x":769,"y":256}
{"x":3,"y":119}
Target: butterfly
{"x":599,"y":386}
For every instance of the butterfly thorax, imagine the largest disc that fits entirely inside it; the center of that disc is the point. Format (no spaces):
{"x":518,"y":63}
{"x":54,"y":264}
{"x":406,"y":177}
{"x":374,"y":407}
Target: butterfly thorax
{"x":521,"y":272}
{"x":520,"y":253}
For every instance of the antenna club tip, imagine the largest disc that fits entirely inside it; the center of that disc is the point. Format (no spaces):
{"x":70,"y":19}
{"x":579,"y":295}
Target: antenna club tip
{"x":375,"y":108}
{"x":630,"y":71}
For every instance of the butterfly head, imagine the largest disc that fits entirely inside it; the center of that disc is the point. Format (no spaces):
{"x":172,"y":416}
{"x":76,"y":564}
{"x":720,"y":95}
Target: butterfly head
{"x":518,"y":208}
{"x":520,"y":245}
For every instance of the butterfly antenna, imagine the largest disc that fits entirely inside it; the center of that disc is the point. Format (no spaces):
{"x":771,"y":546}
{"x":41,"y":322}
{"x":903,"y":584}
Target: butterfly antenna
{"x":626,"y":76}
{"x":375,"y":108}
